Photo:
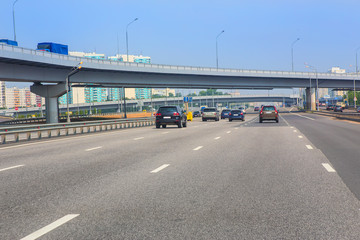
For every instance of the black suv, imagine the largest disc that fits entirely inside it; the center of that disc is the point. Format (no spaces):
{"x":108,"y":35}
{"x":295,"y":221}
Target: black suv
{"x":170,"y":115}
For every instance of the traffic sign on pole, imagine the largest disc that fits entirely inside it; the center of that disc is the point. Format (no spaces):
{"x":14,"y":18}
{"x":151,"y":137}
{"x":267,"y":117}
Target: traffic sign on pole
{"x":16,"y":108}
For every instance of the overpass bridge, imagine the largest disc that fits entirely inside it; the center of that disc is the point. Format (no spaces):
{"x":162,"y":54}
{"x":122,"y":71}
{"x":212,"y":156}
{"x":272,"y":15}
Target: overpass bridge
{"x":27,"y":65}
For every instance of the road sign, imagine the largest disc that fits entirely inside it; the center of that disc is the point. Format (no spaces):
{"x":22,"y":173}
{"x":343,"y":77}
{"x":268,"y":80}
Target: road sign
{"x":16,"y":108}
{"x":186,"y":99}
{"x":190,"y":99}
{"x":355,"y":99}
{"x":39,"y":105}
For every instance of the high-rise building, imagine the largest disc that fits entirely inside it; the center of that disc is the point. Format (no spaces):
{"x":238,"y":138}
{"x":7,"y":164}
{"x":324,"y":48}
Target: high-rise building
{"x":20,"y":97}
{"x":332,"y":92}
{"x":2,"y":95}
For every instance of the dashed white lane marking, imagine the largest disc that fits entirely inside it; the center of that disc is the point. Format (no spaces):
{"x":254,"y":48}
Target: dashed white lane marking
{"x":300,"y":136}
{"x":217,"y":138}
{"x":236,"y":128}
{"x":8,"y":168}
{"x":291,"y":127}
{"x":90,"y":149}
{"x":138,"y":138}
{"x":50,"y":227}
{"x":160,"y":168}
{"x":295,"y":131}
{"x":228,"y":132}
{"x":309,"y":147}
{"x":303,"y":116}
{"x":164,"y":132}
{"x":328,"y":167}
{"x":197,"y":148}
{"x":245,"y":124}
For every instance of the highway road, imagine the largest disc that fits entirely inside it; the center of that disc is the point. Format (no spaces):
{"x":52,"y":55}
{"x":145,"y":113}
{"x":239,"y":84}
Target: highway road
{"x":298,"y":179}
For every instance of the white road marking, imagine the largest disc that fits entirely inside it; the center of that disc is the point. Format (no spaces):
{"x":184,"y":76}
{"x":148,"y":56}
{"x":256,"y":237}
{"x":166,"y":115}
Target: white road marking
{"x":303,"y":116}
{"x":138,"y":138}
{"x":90,"y":149}
{"x":4,"y":169}
{"x":217,"y":138}
{"x":228,"y":132}
{"x":300,"y":136}
{"x":291,"y":127}
{"x":328,"y":167}
{"x":164,"y":132}
{"x":197,"y":148}
{"x":295,"y":131}
{"x":309,"y":146}
{"x":160,"y":168}
{"x":50,"y":227}
{"x":236,"y":128}
{"x":284,"y":120}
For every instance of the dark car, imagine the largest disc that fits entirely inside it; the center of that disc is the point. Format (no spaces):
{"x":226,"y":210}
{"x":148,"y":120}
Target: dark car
{"x":338,"y":109}
{"x":236,"y":115}
{"x":225,"y":113}
{"x":358,"y":109}
{"x":170,"y":115}
{"x":330,"y":107}
{"x":268,"y":113}
{"x":256,"y":108}
{"x":196,"y":114}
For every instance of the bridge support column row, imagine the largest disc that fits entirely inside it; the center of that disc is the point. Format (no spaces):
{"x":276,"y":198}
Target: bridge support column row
{"x":310,"y":99}
{"x":51,"y":93}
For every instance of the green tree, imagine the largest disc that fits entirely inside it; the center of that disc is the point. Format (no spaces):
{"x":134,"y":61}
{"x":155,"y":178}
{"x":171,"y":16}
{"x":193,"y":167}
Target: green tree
{"x":171,"y":95}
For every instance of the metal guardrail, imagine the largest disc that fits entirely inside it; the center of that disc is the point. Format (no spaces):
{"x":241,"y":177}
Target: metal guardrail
{"x":39,"y":120}
{"x":17,"y":49}
{"x":65,"y":129}
{"x":347,"y":116}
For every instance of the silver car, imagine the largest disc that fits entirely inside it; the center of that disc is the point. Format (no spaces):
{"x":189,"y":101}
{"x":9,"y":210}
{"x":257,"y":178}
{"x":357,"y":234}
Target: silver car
{"x":210,"y":113}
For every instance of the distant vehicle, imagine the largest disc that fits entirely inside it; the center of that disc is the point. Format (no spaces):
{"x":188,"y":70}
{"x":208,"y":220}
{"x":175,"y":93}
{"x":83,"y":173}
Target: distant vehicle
{"x":268,"y":113}
{"x":256,"y":108}
{"x":358,"y":109}
{"x":225,"y":113}
{"x":236,"y":115}
{"x":338,"y":109}
{"x":210,"y":113}
{"x":53,"y":47}
{"x":342,"y":104}
{"x":242,"y":109}
{"x":9,"y":42}
{"x":330,"y":107}
{"x":170,"y":115}
{"x":196,"y":114}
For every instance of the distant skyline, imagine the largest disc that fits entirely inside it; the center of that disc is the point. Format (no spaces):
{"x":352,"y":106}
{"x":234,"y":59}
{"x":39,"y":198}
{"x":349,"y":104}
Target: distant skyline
{"x":258,"y":34}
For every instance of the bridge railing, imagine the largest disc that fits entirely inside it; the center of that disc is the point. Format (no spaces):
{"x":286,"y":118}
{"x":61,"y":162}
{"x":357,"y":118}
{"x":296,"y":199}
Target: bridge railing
{"x":27,"y":133}
{"x":312,"y":74}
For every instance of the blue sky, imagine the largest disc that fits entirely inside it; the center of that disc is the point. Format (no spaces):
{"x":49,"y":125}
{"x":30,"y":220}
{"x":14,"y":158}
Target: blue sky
{"x":258,"y":33}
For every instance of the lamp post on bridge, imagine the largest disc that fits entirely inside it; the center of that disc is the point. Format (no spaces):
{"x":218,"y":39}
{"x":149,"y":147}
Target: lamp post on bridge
{"x":217,"y":60}
{"x":317,"y":85}
{"x":357,"y":75}
{"x":127,"y":39}
{"x":292,"y":54}
{"x":14,"y":19}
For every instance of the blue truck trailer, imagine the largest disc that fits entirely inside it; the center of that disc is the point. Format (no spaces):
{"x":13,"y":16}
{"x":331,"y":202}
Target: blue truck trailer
{"x":9,"y":42}
{"x":53,"y":47}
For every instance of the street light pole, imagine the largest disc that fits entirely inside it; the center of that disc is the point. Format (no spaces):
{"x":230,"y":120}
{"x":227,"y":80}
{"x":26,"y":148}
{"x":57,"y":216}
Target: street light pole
{"x":357,"y":76}
{"x":217,"y":60}
{"x":75,"y":70}
{"x":292,"y":54}
{"x":317,"y":86}
{"x":14,"y":19}
{"x":127,"y":40}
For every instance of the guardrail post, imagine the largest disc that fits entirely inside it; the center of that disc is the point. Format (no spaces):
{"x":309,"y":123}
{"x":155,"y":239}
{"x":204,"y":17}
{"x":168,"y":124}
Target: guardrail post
{"x":3,"y":139}
{"x":16,"y":137}
{"x":49,"y":133}
{"x":74,"y":131}
{"x":58,"y":132}
{"x":39,"y":134}
{"x":82,"y":130}
{"x":28,"y":136}
{"x":67,"y":132}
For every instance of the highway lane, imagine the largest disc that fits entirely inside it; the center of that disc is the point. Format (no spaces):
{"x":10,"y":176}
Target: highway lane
{"x":337,"y":139}
{"x":223,"y":180}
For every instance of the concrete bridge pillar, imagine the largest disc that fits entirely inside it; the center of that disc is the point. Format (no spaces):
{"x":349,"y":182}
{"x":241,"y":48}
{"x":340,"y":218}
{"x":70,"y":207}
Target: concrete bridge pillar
{"x":310,"y":99}
{"x":51,"y":93}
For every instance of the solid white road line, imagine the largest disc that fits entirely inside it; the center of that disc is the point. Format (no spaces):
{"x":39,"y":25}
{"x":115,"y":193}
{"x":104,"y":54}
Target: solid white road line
{"x":309,"y":147}
{"x":291,"y":127}
{"x":228,"y":132}
{"x":303,"y":116}
{"x":160,"y":168}
{"x":237,"y":128}
{"x":300,"y":136}
{"x":90,"y":149}
{"x":4,"y":169}
{"x":164,"y":132}
{"x":216,"y":138}
{"x":328,"y":167}
{"x":138,"y":138}
{"x":197,"y":148}
{"x":284,"y":120}
{"x":50,"y":227}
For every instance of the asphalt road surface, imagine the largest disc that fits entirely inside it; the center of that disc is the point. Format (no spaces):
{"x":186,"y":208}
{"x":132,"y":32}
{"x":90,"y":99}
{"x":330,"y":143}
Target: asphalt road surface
{"x":211,"y":180}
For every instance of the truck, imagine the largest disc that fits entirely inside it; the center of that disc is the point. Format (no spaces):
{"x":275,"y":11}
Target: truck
{"x":9,"y":42}
{"x":53,"y":47}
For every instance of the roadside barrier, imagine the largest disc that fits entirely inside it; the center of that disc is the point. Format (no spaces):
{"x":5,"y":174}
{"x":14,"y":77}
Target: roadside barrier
{"x":346,"y":116}
{"x":27,"y":133}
